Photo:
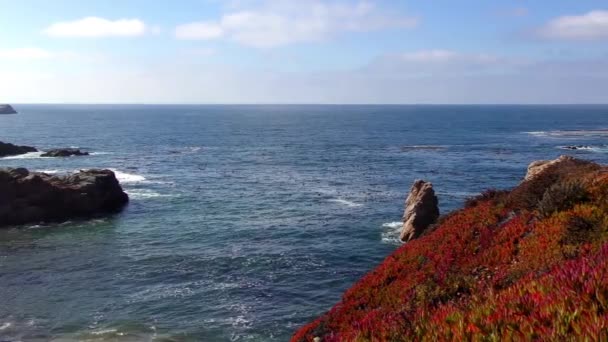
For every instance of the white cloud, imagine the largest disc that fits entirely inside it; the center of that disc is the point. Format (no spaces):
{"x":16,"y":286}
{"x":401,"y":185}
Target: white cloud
{"x":283,"y":22}
{"x":432,"y":76}
{"x":199,"y":30}
{"x":94,"y":27}
{"x":589,"y":26}
{"x":25,"y":53}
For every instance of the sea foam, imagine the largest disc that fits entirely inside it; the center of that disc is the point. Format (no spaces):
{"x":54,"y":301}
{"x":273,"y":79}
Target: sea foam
{"x":124,"y":177}
{"x":29,"y":155}
{"x":391,"y":231}
{"x":345,"y":202}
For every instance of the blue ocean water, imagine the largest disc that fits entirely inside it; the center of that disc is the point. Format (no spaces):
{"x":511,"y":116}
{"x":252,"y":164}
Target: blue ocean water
{"x":246,"y":222}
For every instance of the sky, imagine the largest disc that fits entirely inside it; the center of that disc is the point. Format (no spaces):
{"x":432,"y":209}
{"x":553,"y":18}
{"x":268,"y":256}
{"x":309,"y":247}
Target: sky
{"x":304,"y":51}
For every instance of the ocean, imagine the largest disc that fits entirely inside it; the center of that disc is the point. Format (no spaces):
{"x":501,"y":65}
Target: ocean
{"x":246,"y":222}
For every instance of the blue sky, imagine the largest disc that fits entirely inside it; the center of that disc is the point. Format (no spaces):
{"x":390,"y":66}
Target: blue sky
{"x":296,"y":51}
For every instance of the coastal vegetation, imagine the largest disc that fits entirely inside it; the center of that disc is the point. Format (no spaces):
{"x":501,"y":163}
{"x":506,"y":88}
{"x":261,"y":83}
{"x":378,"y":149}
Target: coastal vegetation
{"x":525,"y":264}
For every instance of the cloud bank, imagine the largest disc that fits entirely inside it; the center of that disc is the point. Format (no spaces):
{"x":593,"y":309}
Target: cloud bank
{"x":284,"y":23}
{"x":95,"y":27}
{"x":410,"y":77}
{"x":591,"y":26}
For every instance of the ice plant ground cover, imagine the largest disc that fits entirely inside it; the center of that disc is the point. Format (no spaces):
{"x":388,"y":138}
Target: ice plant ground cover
{"x":530,"y":263}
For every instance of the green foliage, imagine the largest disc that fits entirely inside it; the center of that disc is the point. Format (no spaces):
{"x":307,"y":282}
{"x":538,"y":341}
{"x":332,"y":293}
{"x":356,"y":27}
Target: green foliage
{"x":562,"y":196}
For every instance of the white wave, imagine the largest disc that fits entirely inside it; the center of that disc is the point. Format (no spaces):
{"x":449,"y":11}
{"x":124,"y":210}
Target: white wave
{"x":391,"y":232}
{"x":345,"y":202}
{"x":597,"y":149}
{"x":124,"y":177}
{"x":537,"y":133}
{"x":145,"y":194}
{"x":393,"y":225}
{"x":104,"y":331}
{"x":29,"y":155}
{"x":99,"y":153}
{"x":5,"y":326}
{"x":50,"y":172}
{"x":571,"y":133}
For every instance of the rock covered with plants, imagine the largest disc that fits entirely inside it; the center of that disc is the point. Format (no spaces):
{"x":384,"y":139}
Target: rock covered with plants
{"x":525,"y":264}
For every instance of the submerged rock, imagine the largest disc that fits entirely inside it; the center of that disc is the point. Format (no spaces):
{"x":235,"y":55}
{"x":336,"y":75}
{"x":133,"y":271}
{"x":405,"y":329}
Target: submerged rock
{"x":7,"y":109}
{"x":421,"y":210}
{"x":7,"y":149}
{"x":35,"y":197}
{"x":64,"y":152}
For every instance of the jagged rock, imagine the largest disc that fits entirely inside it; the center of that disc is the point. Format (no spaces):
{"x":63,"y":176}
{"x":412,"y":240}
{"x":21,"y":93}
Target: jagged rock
{"x":64,"y":152}
{"x":7,"y":149}
{"x":421,"y":210}
{"x":537,"y":167}
{"x":7,"y":109}
{"x":34,"y":197}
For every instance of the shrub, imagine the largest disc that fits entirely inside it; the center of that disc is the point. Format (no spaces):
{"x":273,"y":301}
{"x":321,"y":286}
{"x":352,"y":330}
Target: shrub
{"x":562,"y":196}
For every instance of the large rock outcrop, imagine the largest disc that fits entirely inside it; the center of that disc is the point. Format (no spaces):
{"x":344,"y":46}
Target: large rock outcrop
{"x":537,"y":167}
{"x":7,"y":109}
{"x":7,"y":149}
{"x":421,"y":210}
{"x":64,"y":152}
{"x":34,"y":197}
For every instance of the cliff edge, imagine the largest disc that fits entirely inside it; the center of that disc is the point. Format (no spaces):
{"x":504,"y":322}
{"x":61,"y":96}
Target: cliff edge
{"x":526,"y":264}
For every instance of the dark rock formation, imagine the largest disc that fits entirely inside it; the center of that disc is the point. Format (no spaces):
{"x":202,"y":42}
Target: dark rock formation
{"x":421,"y":210}
{"x":7,"y":149}
{"x":7,"y":109}
{"x":34,"y":197}
{"x":64,"y":152}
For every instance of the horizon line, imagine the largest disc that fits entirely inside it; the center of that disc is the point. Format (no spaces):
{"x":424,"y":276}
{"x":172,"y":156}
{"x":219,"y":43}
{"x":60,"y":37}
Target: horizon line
{"x":299,"y":104}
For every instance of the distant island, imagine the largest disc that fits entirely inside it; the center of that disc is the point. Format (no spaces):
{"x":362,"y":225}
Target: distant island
{"x":7,"y":109}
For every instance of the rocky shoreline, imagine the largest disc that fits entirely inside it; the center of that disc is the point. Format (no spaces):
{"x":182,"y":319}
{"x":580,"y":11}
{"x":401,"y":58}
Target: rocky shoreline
{"x":35,"y":197}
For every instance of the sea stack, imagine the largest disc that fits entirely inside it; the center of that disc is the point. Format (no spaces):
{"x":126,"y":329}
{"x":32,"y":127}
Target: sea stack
{"x":36,"y":197}
{"x":421,"y":210}
{"x":7,"y":109}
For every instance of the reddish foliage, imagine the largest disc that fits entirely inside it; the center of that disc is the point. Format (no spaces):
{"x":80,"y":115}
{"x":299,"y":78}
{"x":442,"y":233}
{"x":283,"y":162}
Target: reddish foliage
{"x":492,"y":271}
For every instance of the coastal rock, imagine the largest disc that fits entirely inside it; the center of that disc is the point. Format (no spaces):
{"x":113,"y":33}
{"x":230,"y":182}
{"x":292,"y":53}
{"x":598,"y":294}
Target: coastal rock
{"x":64,"y":152}
{"x":7,"y":109}
{"x":7,"y":149}
{"x":577,"y":147}
{"x":421,"y":210}
{"x":537,"y":167}
{"x":35,"y":197}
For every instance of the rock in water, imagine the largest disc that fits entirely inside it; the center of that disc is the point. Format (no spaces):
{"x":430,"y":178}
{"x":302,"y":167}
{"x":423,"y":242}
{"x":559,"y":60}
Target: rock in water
{"x":421,"y":210}
{"x":34,"y":197}
{"x":7,"y":109}
{"x":64,"y":152}
{"x":7,"y":149}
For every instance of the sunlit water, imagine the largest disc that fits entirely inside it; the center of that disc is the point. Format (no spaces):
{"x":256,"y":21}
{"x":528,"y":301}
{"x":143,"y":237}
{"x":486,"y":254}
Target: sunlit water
{"x":246,"y":222}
